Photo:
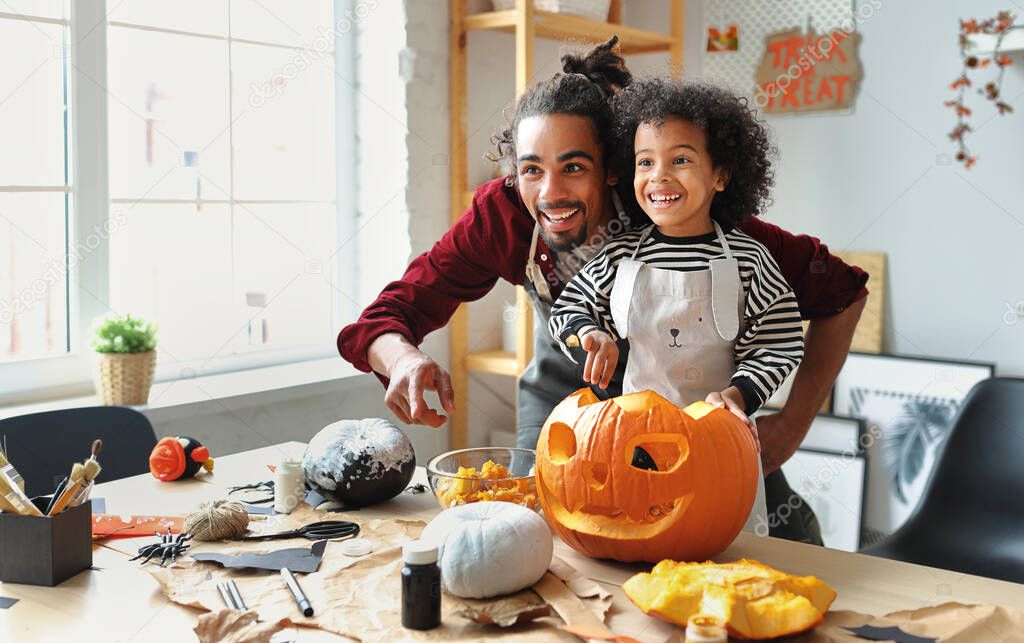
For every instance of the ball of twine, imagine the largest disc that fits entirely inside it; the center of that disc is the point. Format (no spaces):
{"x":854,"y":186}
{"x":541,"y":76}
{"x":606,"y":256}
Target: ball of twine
{"x":217,"y":520}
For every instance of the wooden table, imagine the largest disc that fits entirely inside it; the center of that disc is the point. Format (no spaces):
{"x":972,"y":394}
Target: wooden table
{"x":119,"y":602}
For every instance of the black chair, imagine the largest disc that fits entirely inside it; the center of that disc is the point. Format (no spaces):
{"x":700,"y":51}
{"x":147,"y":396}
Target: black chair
{"x":971,"y":516}
{"x":43,"y":446}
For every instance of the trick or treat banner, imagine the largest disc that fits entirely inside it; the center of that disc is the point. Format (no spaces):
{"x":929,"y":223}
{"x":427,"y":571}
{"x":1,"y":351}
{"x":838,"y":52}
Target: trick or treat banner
{"x":805,"y":71}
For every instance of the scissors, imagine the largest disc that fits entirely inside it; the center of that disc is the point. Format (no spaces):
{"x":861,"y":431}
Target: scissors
{"x":324,"y":530}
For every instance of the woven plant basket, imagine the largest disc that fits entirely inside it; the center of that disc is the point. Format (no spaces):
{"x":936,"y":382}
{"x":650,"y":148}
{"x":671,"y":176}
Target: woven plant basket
{"x":125,"y":378}
{"x":591,"y":9}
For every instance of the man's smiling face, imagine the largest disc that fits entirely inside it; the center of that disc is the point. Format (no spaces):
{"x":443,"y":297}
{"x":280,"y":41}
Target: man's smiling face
{"x":562,"y":178}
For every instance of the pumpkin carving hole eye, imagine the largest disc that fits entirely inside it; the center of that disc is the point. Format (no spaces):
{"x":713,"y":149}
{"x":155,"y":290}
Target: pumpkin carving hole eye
{"x":656,"y":456}
{"x":597,"y":475}
{"x":643,"y":460}
{"x":561,"y":443}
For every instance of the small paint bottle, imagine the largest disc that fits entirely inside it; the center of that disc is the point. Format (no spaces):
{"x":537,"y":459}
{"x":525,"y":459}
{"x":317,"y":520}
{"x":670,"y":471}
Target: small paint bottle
{"x":289,"y":486}
{"x":705,"y":628}
{"x":421,"y":586}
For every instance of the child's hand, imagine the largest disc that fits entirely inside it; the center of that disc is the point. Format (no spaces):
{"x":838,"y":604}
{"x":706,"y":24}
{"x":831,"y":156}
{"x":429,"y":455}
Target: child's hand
{"x":602,"y":357}
{"x":732,"y":399}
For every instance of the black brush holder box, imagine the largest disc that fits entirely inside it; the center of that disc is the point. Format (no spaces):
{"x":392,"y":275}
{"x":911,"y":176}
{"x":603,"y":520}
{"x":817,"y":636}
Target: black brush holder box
{"x":45,"y":551}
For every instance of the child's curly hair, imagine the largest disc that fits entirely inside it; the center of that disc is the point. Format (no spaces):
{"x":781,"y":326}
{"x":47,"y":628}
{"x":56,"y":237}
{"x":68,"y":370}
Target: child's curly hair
{"x":737,"y":139}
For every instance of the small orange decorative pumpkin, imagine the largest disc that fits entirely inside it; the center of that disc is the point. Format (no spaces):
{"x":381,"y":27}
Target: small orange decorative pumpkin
{"x":178,"y":458}
{"x":636,"y":478}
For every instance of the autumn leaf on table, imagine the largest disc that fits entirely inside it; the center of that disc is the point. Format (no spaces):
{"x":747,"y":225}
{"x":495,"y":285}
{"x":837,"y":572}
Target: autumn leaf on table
{"x":505,"y":611}
{"x":236,"y":626}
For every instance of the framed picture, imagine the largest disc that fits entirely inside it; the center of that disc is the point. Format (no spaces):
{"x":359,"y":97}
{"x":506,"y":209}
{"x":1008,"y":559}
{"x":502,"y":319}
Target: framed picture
{"x":836,"y":434}
{"x":909,"y":404}
{"x":833,"y":484}
{"x":829,"y":471}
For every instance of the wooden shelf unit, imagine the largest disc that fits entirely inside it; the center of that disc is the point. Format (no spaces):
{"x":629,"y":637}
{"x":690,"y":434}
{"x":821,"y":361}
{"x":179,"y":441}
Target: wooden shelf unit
{"x":526,"y":24}
{"x":558,"y":26}
{"x":493,"y":361}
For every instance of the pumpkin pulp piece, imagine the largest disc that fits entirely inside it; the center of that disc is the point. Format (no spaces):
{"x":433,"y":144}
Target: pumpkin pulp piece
{"x":754,"y":600}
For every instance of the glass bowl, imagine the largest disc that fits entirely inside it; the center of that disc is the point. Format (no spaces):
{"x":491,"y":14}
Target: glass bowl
{"x":502,"y":474}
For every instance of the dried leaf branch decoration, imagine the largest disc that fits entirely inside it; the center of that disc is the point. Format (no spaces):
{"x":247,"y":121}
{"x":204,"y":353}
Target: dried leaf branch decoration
{"x":999,"y":26}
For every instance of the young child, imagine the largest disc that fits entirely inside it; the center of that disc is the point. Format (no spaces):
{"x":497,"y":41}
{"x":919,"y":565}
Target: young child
{"x":705,"y":308}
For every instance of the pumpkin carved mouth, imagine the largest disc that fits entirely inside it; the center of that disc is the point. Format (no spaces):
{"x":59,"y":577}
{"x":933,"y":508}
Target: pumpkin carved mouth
{"x":601,"y":520}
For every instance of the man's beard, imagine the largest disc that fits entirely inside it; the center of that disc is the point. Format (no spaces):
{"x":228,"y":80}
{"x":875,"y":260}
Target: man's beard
{"x":562,"y":241}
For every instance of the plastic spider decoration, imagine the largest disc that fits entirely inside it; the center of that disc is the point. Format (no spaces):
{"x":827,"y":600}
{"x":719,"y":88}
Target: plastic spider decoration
{"x":168,"y":547}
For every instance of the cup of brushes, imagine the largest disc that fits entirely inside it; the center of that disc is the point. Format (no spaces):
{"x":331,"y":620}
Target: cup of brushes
{"x":46,"y":540}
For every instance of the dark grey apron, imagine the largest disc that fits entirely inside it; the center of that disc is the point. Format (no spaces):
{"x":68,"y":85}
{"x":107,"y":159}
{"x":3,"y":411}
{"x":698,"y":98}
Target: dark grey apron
{"x":551,"y":377}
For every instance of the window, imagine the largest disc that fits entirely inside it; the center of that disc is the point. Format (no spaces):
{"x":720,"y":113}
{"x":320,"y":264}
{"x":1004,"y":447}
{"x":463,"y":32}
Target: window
{"x":35,"y":184}
{"x":205,"y":144}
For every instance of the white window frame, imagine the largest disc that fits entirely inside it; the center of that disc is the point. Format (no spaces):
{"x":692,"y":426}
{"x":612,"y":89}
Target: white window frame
{"x":72,"y":373}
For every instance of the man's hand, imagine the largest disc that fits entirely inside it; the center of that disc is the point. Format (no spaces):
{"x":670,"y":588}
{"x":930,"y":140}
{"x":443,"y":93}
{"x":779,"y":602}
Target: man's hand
{"x":602,"y":358}
{"x":732,"y":399}
{"x":411,"y":373}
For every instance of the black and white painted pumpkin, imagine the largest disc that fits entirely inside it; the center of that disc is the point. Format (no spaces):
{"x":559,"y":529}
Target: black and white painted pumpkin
{"x":359,"y":462}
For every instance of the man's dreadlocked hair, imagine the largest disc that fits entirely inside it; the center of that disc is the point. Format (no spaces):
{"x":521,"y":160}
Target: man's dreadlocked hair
{"x":584,"y":88}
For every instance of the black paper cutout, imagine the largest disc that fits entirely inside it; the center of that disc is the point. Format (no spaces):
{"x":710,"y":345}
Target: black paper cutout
{"x":297,"y":559}
{"x":256,"y":509}
{"x":6,"y":602}
{"x":874,"y":633}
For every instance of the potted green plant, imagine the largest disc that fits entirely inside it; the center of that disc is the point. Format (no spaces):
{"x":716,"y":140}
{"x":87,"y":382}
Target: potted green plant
{"x":127,"y":358}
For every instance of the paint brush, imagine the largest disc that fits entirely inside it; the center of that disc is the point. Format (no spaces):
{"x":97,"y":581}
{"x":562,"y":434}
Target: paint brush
{"x":92,"y":469}
{"x":56,"y":494}
{"x":74,"y":484}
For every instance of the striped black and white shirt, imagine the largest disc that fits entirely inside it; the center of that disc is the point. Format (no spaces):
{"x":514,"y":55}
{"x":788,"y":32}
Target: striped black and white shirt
{"x":770,"y":344}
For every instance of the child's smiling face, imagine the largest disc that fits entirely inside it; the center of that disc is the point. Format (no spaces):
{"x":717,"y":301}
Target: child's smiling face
{"x":675,"y":178}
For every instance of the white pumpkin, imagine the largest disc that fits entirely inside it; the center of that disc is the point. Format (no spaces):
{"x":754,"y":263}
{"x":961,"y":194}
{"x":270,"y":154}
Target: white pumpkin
{"x":489,"y":548}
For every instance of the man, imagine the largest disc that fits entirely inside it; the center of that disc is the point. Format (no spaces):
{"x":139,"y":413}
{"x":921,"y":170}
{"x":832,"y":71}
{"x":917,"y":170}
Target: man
{"x":535,"y":228}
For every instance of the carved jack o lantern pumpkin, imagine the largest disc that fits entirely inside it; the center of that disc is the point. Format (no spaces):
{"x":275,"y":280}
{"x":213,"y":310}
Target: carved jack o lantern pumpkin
{"x":636,"y":478}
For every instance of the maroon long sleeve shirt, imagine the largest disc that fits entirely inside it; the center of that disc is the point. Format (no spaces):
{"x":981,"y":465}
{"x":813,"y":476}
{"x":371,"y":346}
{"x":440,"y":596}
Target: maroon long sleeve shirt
{"x":491,"y":241}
